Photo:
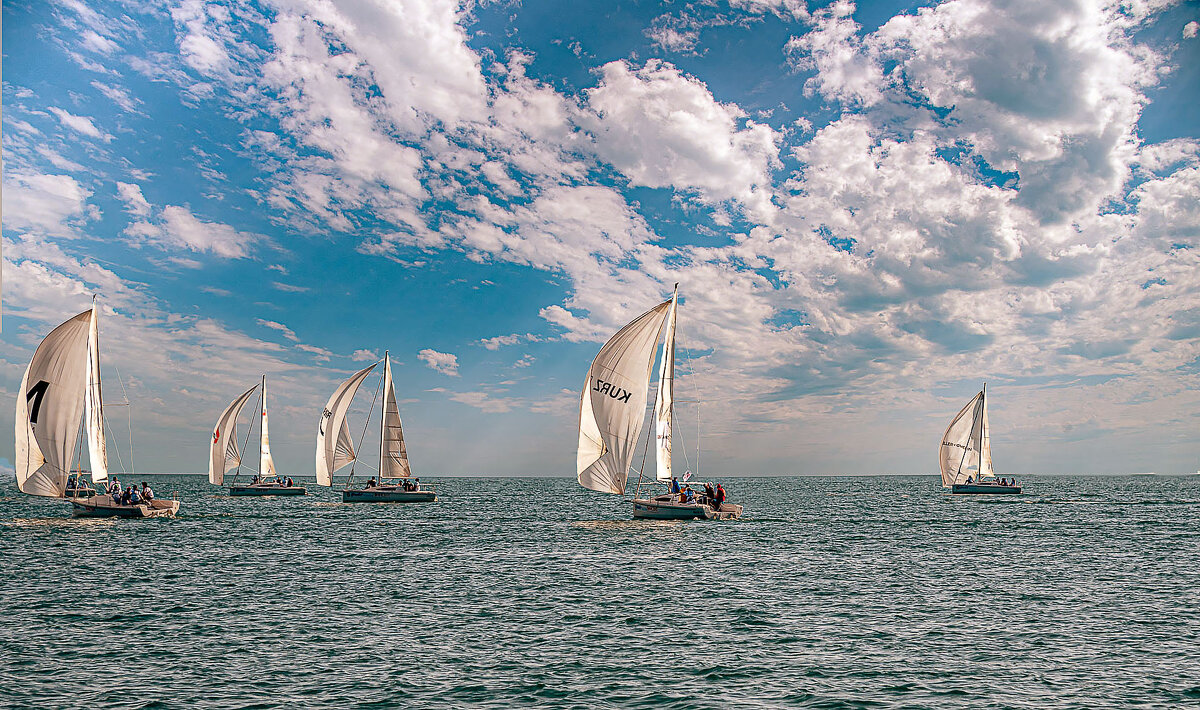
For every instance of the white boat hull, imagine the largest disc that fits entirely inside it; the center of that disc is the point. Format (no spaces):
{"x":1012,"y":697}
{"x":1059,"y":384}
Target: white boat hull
{"x":387,"y":494}
{"x":267,"y":489}
{"x":984,"y":489}
{"x":105,"y":507}
{"x":660,"y":509}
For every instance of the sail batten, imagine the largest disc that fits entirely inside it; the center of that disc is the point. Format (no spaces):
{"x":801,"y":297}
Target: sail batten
{"x":224,"y":454}
{"x":613,"y":402}
{"x":336,"y":452}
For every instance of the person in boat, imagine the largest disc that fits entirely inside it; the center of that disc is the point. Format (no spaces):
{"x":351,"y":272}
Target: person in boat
{"x":674,"y":486}
{"x":114,"y":488}
{"x":710,"y":495}
{"x":970,"y":479}
{"x":71,"y":482}
{"x":135,"y":498}
{"x":256,"y":480}
{"x":147,"y":492}
{"x":720,"y":499}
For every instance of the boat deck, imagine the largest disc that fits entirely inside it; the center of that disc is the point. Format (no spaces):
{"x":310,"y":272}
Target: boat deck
{"x":388,"y":494}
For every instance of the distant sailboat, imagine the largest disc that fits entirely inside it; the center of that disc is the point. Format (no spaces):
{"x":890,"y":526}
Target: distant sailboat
{"x":965,"y":454}
{"x":61,"y":385}
{"x":335,"y":446}
{"x":224,"y":455}
{"x":612,"y":409}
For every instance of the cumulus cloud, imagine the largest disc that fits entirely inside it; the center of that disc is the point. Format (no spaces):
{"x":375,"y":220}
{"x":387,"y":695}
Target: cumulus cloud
{"x":664,"y":129}
{"x":364,"y":355}
{"x":445,"y":363}
{"x":1191,"y":29}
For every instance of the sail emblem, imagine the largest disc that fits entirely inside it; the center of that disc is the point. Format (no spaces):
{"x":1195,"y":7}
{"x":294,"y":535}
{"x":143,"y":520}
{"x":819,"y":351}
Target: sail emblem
{"x":34,"y":398}
{"x":216,"y":435}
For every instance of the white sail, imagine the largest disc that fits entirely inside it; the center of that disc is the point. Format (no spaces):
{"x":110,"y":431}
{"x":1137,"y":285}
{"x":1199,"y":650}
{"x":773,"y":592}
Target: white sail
{"x":224,"y":454}
{"x":49,"y":407}
{"x":613,"y":403}
{"x":665,"y":399}
{"x":335,"y":452}
{"x":985,"y":442}
{"x":266,"y":464}
{"x":959,"y":453}
{"x":393,"y":456}
{"x":93,"y":404}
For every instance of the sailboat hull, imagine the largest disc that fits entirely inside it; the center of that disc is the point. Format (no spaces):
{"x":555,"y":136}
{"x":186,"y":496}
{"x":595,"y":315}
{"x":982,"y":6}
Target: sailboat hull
{"x":79,"y":493}
{"x":387,"y":494}
{"x":105,"y":507}
{"x":267,"y":490}
{"x":671,"y":510}
{"x":984,"y":489}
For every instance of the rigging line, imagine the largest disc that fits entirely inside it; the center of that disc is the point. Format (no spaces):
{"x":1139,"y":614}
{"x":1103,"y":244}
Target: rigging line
{"x":128,"y":420}
{"x":120,"y":461}
{"x":246,"y":445}
{"x":366,"y":425}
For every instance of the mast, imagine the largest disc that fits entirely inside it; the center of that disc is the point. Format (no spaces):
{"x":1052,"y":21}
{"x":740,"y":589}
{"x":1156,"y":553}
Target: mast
{"x":387,"y":365}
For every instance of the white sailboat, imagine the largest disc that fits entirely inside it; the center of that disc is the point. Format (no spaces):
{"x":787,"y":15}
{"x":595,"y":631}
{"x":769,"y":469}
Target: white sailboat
{"x":335,"y":447}
{"x":612,"y":408}
{"x":224,"y":455}
{"x":61,"y":385}
{"x":965,"y":454}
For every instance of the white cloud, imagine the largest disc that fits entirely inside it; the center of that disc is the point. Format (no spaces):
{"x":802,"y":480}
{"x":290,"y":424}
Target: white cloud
{"x":364,"y":355}
{"x":843,"y":72}
{"x":288,"y":288}
{"x":118,"y":95}
{"x":79,"y":124}
{"x":664,"y":129}
{"x":286,"y":331}
{"x":1191,"y":29}
{"x":53,"y":205}
{"x":445,"y":363}
{"x":135,"y":201}
{"x":176,"y":226}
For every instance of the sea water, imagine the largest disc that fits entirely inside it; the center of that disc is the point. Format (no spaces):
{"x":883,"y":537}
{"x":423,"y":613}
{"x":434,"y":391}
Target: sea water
{"x":863,"y":592}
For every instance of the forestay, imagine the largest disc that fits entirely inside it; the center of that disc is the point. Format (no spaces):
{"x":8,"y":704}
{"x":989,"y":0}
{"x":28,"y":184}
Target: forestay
{"x":665,"y":399}
{"x":93,"y":404}
{"x":224,"y":455}
{"x":966,"y":446}
{"x":393,"y":455}
{"x":613,"y":403}
{"x":50,"y":403}
{"x":333,"y":452}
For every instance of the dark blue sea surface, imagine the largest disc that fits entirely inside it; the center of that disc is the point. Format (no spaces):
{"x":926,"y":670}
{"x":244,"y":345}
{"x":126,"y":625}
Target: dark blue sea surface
{"x":868,"y":592}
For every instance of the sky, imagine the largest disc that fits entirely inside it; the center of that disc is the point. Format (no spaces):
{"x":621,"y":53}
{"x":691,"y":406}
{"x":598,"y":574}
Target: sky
{"x":871,"y":209}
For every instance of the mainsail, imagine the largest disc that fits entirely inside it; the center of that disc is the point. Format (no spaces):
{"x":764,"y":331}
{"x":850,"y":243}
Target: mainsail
{"x":224,"y":455}
{"x":966,"y":448}
{"x":266,"y":464}
{"x":393,"y":456}
{"x":665,"y":399}
{"x":333,"y":452}
{"x":49,"y":406}
{"x":613,"y":402}
{"x":93,"y":404}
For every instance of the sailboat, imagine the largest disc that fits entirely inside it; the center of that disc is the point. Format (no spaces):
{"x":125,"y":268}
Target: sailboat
{"x":335,"y":446}
{"x":612,"y":408}
{"x":61,"y":386}
{"x":965,"y":455}
{"x":224,"y":455}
